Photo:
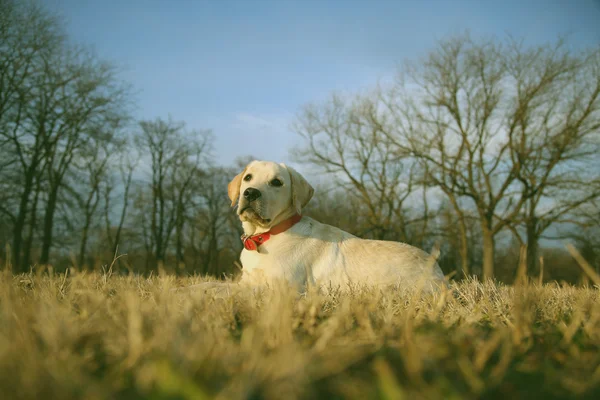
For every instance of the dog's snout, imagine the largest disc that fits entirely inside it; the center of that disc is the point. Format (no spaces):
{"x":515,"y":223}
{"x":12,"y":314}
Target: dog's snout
{"x":251,"y":194}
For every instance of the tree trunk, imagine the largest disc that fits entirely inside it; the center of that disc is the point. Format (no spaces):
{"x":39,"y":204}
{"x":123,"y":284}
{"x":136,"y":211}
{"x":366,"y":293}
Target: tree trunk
{"x":48,"y":225}
{"x":179,"y":225}
{"x":464,"y":250}
{"x":20,"y":223}
{"x":210,"y":268}
{"x":193,"y":247}
{"x":532,"y":247}
{"x":159,"y":253}
{"x":90,"y":207}
{"x":32,"y":225}
{"x":464,"y":240}
{"x":84,"y":238}
{"x":488,"y":250}
{"x":123,"y":214}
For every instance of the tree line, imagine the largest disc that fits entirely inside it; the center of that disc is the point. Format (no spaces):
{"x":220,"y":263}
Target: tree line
{"x":482,"y":147}
{"x":507,"y":135}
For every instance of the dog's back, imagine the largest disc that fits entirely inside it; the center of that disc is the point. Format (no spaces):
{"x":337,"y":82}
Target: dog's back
{"x":320,"y":254}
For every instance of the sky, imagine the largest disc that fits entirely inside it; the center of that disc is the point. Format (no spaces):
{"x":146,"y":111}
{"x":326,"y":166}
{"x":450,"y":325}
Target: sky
{"x":245,"y":68}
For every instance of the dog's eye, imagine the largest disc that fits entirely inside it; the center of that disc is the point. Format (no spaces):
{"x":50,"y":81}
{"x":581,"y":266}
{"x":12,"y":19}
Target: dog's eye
{"x":276,"y":183}
{"x":248,"y":177}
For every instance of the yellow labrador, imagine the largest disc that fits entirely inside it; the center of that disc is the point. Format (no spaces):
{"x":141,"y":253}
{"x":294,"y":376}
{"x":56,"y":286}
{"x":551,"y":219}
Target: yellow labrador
{"x":281,"y":244}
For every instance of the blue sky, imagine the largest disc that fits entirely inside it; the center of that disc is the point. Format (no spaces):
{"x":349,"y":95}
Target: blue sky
{"x":245,"y":68}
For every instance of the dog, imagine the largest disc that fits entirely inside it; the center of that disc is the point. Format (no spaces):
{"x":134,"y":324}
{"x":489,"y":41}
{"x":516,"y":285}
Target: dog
{"x":280,"y":244}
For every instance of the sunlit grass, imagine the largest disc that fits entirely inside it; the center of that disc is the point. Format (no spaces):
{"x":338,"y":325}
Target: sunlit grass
{"x":99,"y":336}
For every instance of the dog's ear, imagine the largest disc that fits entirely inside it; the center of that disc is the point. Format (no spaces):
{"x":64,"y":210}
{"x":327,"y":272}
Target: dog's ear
{"x":233,"y":188}
{"x":302,"y":192}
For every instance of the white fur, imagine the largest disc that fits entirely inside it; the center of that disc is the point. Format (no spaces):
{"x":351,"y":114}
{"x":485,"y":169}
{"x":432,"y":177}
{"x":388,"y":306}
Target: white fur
{"x":317,"y":254}
{"x":312,"y":253}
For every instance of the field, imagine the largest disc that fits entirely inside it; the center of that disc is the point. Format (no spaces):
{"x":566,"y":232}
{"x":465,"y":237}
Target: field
{"x":102,"y":336}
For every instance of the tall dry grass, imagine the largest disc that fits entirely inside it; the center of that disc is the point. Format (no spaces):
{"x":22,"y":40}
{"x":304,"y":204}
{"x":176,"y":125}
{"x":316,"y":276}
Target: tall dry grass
{"x":97,"y":336}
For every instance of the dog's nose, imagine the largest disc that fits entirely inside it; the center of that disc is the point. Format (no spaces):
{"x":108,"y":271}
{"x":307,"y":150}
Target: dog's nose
{"x":251,"y":194}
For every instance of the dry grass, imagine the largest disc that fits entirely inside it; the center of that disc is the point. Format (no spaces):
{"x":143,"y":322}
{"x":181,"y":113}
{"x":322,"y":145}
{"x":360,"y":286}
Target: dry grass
{"x":99,"y":336}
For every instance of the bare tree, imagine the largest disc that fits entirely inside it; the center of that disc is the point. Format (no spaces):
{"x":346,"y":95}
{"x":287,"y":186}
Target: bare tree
{"x":128,"y":161}
{"x":457,"y":124}
{"x":82,"y":107}
{"x":188,"y":182}
{"x":556,"y":140}
{"x":505,"y":126}
{"x":175,"y":158}
{"x":85,"y":187}
{"x":215,"y":228}
{"x":342,"y":141}
{"x":29,"y":37}
{"x":53,"y":98}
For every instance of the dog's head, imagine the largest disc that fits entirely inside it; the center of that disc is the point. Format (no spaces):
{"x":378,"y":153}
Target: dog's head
{"x":268,"y":193}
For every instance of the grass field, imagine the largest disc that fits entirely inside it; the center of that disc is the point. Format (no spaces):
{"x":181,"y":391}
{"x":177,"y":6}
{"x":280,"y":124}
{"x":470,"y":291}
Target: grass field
{"x":98,"y":336}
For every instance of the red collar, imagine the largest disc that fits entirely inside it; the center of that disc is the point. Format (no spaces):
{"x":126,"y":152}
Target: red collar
{"x":252,"y":242}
